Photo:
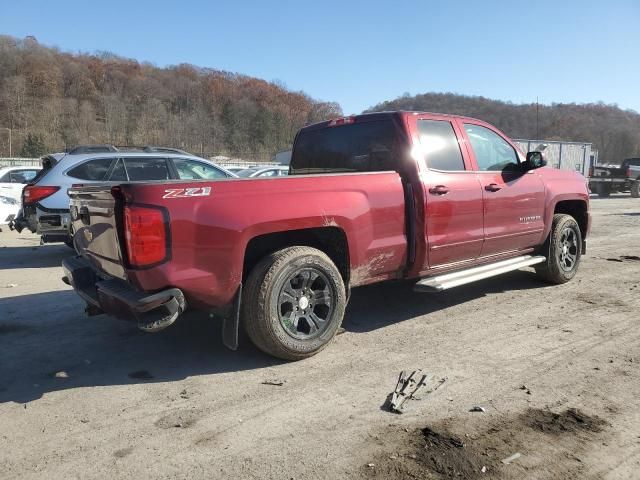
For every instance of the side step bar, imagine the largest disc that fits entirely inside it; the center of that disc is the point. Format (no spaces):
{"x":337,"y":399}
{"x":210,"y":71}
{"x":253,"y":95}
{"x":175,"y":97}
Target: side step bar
{"x":455,"y":279}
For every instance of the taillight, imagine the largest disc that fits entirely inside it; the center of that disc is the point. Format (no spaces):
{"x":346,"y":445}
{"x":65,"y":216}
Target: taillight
{"x":35,"y":193}
{"x":341,"y":121}
{"x":145,"y":231}
{"x":628,"y":172}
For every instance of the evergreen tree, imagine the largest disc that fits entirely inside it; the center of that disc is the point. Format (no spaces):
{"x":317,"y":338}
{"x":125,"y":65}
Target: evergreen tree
{"x":33,"y":147}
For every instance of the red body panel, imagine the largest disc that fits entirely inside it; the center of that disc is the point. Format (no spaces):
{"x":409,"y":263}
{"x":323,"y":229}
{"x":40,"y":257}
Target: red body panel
{"x":209,"y":234}
{"x":463,"y":226}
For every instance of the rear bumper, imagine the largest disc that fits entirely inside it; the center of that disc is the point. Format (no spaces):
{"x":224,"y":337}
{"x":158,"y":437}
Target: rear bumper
{"x":153,"y":312}
{"x":51,"y":223}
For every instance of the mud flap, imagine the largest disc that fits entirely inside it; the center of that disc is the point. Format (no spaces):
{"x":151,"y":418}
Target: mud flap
{"x":231,"y":324}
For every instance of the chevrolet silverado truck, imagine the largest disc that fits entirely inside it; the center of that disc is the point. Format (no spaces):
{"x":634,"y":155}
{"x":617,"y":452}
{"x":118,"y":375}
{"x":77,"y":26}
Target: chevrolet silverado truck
{"x":442,"y":200}
{"x":607,"y":179}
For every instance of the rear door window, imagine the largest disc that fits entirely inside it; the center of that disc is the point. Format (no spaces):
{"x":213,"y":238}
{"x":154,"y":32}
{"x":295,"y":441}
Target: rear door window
{"x":94,"y":170}
{"x":440,"y":145}
{"x":357,"y":147}
{"x":146,"y":168}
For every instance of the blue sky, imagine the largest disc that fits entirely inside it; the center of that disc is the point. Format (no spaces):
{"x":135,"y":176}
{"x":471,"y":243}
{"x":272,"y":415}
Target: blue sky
{"x":359,"y":53}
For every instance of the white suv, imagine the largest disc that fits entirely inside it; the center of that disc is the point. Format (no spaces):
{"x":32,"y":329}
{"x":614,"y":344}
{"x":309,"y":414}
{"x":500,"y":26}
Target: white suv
{"x":45,"y":203}
{"x":12,"y":181}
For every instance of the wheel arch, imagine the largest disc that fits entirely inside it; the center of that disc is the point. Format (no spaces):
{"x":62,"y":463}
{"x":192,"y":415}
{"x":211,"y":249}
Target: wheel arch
{"x":578,"y":209}
{"x":330,"y":240}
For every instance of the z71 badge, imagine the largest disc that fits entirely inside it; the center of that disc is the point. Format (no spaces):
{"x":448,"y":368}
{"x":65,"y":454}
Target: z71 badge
{"x":187,"y":192}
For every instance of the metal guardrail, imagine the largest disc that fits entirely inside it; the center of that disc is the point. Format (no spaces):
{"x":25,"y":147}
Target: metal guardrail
{"x":20,"y":162}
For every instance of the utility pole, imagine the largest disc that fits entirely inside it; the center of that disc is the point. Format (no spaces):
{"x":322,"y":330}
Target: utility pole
{"x":537,"y":119}
{"x":9,"y":130}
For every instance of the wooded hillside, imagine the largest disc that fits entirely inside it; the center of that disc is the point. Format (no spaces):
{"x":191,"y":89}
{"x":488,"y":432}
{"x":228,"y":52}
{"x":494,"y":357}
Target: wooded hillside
{"x":613,"y":131}
{"x":52,"y":100}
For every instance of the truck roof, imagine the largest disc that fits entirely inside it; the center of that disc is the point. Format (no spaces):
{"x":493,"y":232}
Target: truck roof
{"x":373,"y":116}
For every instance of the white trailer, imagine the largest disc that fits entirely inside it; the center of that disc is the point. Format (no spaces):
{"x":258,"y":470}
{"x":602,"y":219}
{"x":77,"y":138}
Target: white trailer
{"x":577,"y":156}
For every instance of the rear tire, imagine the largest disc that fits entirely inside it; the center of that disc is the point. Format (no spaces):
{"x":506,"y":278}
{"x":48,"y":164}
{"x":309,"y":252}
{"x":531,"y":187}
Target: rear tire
{"x":293,"y":303}
{"x":563,"y":249}
{"x":603,"y":190}
{"x":635,"y":189}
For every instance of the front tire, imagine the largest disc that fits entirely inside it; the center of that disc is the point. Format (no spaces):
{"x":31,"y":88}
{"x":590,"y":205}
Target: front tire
{"x":635,"y":189}
{"x":294,"y":302}
{"x":564,"y":250}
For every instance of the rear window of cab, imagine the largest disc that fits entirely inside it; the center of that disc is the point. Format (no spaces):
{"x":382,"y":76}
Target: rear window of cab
{"x":355,"y":147}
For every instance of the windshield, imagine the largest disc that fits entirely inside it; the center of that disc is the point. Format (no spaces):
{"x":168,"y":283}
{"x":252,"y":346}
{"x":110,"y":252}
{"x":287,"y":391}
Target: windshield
{"x":357,"y":147}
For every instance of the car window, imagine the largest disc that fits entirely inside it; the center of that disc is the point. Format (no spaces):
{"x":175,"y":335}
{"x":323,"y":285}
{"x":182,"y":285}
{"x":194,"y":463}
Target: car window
{"x":268,"y":173}
{"x":19,"y":176}
{"x":94,"y":170}
{"x":357,"y":147}
{"x":146,"y":168}
{"x":246,"y":172}
{"x":28,"y":175}
{"x":118,"y":174}
{"x":195,"y":170}
{"x":440,"y":145}
{"x":492,"y":151}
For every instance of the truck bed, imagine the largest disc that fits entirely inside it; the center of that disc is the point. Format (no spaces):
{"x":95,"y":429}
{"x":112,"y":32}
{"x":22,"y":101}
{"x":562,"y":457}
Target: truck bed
{"x":210,"y":225}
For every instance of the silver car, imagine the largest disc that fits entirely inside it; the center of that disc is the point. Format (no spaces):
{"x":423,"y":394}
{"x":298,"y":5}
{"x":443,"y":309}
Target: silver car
{"x":45,"y":209}
{"x":271,"y":171}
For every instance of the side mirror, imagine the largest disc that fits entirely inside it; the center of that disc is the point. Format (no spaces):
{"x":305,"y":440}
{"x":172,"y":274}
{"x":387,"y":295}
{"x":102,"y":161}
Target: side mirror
{"x":535,"y":160}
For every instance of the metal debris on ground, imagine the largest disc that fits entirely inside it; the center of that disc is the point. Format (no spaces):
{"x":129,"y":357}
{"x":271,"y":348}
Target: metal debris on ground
{"x":477,"y":408}
{"x":510,"y":459}
{"x":407,"y":387}
{"x":61,"y":374}
{"x":276,"y":383}
{"x":526,"y":389}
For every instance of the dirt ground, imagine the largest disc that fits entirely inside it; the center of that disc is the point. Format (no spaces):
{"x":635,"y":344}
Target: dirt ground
{"x":556,"y":369}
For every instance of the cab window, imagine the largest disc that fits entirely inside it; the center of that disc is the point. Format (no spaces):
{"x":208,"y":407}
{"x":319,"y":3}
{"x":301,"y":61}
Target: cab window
{"x":493,"y":153}
{"x":372,"y":146}
{"x":440,"y":145}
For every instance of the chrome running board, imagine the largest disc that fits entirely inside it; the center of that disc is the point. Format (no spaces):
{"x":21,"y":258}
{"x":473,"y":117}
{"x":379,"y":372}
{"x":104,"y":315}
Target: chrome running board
{"x":462,"y":277}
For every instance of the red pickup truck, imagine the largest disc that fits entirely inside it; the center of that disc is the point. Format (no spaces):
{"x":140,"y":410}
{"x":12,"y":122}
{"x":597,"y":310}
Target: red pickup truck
{"x":441,"y":199}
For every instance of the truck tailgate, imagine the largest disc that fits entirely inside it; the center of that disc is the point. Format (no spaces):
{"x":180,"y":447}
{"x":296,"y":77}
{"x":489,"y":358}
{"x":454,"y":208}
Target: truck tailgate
{"x":94,"y":222}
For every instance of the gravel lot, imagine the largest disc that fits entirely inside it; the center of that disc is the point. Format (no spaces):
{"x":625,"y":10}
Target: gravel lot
{"x":555,"y":367}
